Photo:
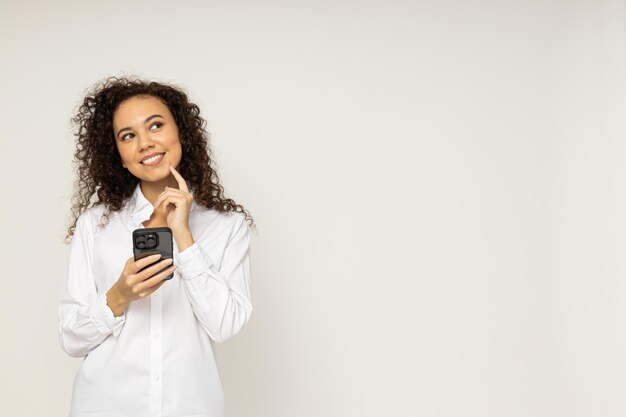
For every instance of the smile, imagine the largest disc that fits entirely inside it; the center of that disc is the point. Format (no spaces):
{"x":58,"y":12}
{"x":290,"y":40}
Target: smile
{"x":155,"y":160}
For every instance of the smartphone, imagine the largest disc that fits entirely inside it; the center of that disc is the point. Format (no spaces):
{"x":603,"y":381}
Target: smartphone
{"x":152,"y":240}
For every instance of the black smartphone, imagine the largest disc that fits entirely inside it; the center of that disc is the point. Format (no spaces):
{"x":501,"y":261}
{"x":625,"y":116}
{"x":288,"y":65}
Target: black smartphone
{"x":152,"y":240}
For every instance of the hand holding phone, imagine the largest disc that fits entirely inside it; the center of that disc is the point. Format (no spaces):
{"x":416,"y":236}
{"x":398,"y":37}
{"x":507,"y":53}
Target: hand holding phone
{"x":139,"y":279}
{"x":153,"y":240}
{"x":144,"y":272}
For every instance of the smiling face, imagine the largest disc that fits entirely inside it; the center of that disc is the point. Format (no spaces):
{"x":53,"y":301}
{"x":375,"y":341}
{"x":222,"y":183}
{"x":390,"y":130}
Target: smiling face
{"x":143,"y":127}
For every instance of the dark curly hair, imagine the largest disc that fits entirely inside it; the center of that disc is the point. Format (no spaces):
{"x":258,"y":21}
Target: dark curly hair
{"x":99,"y":166}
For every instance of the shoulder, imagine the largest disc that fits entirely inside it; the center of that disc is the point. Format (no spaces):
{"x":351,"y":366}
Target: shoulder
{"x":220,"y":222}
{"x":89,"y":218}
{"x":237,"y":226}
{"x":227,"y":218}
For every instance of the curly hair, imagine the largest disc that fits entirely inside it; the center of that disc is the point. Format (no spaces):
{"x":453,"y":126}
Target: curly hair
{"x":99,"y":166}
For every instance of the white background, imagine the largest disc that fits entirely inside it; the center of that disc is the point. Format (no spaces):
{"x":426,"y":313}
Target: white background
{"x":438,"y":186}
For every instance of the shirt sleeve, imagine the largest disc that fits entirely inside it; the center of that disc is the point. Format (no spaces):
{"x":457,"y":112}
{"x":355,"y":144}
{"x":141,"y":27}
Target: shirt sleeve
{"x":85,"y":319}
{"x":220,"y":297}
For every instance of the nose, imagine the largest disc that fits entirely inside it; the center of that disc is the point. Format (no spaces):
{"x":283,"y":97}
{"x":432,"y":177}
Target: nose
{"x":145,"y":141}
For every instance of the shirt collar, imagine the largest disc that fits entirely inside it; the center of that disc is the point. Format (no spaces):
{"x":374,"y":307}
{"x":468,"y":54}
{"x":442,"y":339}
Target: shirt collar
{"x":141,"y":209}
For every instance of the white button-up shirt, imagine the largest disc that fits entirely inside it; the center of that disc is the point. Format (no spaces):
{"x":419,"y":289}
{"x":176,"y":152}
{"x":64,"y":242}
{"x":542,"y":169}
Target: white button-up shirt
{"x":156,"y":359}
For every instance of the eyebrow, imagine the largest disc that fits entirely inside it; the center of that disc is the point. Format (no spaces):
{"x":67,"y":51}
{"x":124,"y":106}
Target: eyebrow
{"x":145,"y":121}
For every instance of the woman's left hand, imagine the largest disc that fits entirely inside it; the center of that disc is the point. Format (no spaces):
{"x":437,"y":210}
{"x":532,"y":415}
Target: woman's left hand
{"x":177,"y":206}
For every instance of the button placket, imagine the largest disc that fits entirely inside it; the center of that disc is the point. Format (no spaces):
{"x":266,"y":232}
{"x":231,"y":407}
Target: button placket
{"x":156,"y":354}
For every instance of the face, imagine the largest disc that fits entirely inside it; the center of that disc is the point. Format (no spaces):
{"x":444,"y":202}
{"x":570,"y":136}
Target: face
{"x":143,"y":127}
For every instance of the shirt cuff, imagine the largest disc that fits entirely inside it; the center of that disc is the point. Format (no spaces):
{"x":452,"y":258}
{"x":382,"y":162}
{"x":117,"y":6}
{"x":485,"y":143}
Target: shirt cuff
{"x":104,"y":319}
{"x":192,"y":262}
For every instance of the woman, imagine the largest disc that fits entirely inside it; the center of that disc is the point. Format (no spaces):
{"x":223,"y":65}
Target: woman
{"x":147,"y":343}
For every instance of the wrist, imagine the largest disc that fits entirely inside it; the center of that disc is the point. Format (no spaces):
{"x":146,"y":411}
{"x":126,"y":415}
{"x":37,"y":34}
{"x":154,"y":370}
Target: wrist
{"x":116,"y":302}
{"x":184,"y":240}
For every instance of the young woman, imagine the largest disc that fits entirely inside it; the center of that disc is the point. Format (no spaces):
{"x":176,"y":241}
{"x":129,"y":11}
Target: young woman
{"x":147,"y":343}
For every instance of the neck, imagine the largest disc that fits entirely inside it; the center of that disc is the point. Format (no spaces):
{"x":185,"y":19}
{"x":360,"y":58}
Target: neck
{"x":151,"y":190}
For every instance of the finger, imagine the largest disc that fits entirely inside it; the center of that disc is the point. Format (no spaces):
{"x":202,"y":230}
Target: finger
{"x":182,"y":185}
{"x":143,"y":262}
{"x":155,"y":279}
{"x":172,"y":192}
{"x":177,"y":201}
{"x":151,"y":290}
{"x":165,"y":194}
{"x":162,"y":196}
{"x":153,"y":269}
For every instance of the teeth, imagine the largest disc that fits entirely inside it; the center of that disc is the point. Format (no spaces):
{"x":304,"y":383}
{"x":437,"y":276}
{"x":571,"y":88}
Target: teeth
{"x":153,"y":159}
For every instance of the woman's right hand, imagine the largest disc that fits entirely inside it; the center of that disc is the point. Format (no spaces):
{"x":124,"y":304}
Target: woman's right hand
{"x":133,"y":285}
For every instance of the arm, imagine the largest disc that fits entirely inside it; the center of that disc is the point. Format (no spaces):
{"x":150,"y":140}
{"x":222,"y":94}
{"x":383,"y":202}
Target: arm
{"x":220,"y":298}
{"x":85,"y":319}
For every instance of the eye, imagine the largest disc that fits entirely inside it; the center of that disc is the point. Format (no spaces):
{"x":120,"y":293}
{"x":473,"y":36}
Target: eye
{"x":157,"y":124}
{"x":126,"y":135}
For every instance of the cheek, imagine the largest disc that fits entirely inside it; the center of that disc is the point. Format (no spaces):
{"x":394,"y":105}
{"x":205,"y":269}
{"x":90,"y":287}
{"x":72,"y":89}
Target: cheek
{"x":173,"y":142}
{"x":126,"y":155}
{"x":176,"y":153}
{"x":173,"y":138}
{"x":123,"y":154}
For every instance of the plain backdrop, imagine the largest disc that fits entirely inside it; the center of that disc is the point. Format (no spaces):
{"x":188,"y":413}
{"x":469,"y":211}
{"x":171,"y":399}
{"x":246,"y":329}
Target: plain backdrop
{"x":439,"y":188}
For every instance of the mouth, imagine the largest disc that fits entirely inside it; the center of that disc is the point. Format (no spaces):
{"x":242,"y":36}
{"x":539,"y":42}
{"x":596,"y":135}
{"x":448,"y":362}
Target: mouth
{"x":155,"y":160}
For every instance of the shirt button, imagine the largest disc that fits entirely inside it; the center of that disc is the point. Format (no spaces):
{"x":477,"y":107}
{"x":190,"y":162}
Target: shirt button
{"x":156,"y":336}
{"x":157,"y":377}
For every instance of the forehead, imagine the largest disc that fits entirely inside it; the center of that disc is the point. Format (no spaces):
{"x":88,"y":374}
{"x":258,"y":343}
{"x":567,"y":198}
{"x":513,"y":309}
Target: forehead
{"x":137,"y":109}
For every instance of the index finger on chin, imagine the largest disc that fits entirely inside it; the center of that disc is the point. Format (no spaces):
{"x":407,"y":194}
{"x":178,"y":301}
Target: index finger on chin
{"x":182,"y":185}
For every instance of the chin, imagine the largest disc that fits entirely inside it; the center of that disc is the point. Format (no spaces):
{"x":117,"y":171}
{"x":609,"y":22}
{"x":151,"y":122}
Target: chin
{"x":150,"y":177}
